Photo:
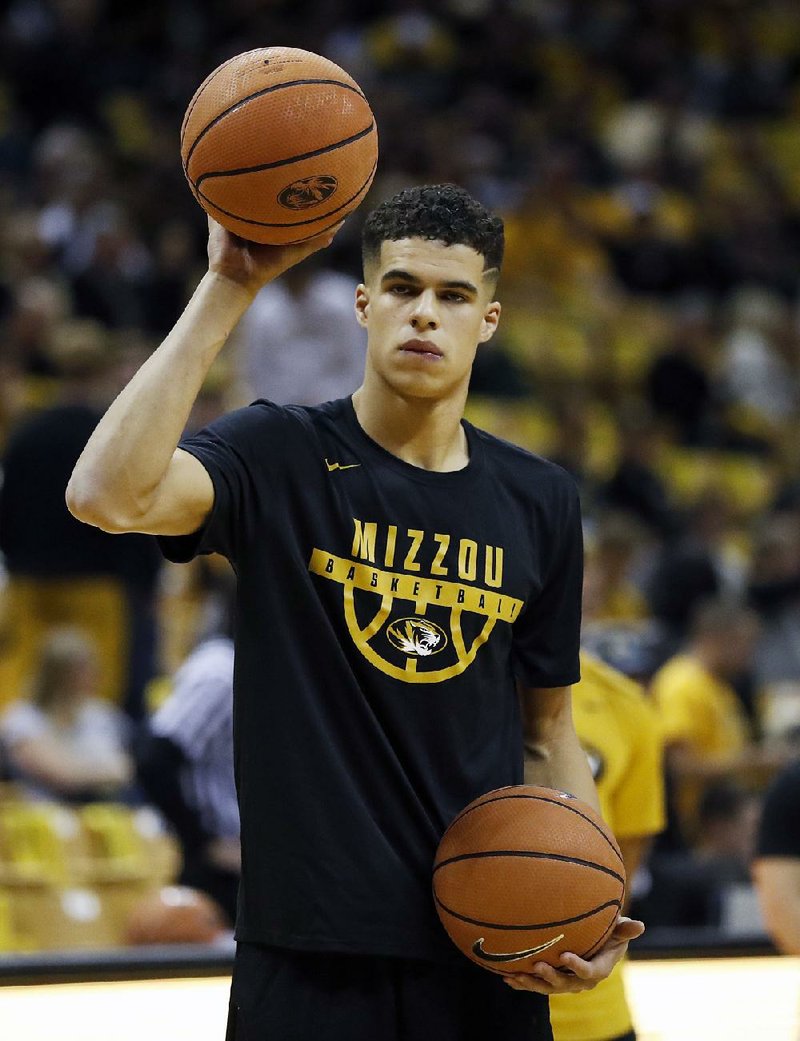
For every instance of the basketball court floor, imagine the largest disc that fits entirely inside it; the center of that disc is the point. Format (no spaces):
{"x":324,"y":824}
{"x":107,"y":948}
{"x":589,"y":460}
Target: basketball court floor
{"x":724,"y":999}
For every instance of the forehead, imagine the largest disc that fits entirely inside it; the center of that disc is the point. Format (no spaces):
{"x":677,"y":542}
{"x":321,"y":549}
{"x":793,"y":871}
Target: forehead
{"x":431,"y":260}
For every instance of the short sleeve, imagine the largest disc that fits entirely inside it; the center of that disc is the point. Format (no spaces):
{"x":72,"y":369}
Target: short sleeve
{"x":779,"y":830}
{"x":240,"y":451}
{"x":546,"y":645}
{"x":639,"y":798}
{"x":682,"y":715}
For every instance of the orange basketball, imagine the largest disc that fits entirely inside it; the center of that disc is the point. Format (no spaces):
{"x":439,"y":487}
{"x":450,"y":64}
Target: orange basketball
{"x":279,"y":144}
{"x":524,"y":874}
{"x":175,"y":914}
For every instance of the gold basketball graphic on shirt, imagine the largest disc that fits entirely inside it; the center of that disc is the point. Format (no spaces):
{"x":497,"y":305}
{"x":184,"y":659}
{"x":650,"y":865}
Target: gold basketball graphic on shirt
{"x":418,"y":605}
{"x":417,"y":637}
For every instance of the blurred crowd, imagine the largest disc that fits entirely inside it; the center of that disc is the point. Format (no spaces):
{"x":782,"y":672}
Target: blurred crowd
{"x":646,"y":159}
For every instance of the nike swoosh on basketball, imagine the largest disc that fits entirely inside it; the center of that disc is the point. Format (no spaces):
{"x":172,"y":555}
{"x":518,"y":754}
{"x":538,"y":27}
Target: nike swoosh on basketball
{"x":340,"y":466}
{"x":477,"y":949}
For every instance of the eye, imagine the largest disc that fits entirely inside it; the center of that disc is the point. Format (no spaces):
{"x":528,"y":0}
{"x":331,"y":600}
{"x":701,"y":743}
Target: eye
{"x":454,"y":298}
{"x":400,"y":290}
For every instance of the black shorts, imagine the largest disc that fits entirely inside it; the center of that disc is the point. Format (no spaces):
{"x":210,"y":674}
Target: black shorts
{"x":284,"y":995}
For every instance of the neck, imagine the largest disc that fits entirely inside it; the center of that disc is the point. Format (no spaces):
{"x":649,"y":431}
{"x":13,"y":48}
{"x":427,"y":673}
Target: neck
{"x":423,"y":432}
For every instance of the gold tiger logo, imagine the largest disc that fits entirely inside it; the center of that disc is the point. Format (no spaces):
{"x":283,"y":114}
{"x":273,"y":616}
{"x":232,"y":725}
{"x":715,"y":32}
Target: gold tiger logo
{"x":417,"y":637}
{"x":376,"y":600}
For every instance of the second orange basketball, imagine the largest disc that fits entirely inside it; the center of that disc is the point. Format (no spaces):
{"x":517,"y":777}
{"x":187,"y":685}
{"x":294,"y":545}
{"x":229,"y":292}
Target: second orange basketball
{"x":279,"y":144}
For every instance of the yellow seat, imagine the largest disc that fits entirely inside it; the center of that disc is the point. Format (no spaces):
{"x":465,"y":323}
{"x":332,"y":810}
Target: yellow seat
{"x":602,"y":441}
{"x":521,"y":421}
{"x":70,"y":878}
{"x":39,"y":843}
{"x":750,"y":481}
{"x":63,"y":918}
{"x":9,"y":940}
{"x":128,"y":844}
{"x":747,"y":482}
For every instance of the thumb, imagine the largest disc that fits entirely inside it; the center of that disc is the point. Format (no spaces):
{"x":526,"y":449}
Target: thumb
{"x":627,"y":929}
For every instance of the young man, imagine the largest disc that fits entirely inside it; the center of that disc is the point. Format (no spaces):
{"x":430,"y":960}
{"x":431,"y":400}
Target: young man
{"x":401,"y":574}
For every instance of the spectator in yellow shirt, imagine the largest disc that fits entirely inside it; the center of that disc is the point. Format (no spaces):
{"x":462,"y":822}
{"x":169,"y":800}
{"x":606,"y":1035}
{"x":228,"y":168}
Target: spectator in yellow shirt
{"x":619,"y":732}
{"x":707,"y":734}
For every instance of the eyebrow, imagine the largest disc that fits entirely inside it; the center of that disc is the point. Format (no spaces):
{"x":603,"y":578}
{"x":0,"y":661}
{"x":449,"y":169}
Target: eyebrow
{"x":397,"y":274}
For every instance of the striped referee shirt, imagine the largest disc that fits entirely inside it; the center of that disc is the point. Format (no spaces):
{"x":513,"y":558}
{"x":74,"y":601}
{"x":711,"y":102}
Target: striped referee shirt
{"x":198,"y":717}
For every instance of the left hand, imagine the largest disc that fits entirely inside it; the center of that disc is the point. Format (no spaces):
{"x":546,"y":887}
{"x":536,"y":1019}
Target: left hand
{"x":583,"y":975}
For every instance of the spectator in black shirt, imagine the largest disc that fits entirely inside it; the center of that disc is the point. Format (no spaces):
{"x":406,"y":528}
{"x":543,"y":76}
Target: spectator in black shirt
{"x":60,"y":571}
{"x":777,"y":866}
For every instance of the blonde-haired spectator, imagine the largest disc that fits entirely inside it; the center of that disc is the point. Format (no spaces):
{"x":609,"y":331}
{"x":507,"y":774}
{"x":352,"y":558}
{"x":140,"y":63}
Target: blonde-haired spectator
{"x":63,"y":741}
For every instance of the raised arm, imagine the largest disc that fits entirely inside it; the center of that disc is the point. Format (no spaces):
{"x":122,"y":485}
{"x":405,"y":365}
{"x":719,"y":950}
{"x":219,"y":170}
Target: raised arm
{"x":131,"y":475}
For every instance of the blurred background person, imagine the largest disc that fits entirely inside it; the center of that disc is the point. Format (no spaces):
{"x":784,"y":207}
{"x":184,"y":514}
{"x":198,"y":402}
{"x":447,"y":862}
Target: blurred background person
{"x":618,"y":730}
{"x":63,"y":741}
{"x":611,"y":587}
{"x":707,"y":732}
{"x":636,"y":487}
{"x":773,"y":590}
{"x":299,"y":343}
{"x":776,"y":870}
{"x":185,"y":753}
{"x":701,"y":885}
{"x":61,"y":571}
{"x":702,"y":562}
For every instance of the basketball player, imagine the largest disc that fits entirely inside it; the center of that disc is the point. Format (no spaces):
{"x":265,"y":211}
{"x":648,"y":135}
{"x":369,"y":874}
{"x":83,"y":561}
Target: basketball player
{"x":401,"y":576}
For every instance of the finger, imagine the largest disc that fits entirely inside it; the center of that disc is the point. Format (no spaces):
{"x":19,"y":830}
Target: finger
{"x":548,"y":973}
{"x":528,"y":982}
{"x":326,"y":237}
{"x":300,"y":250}
{"x":579,"y":967}
{"x":616,"y":945}
{"x":559,"y":983}
{"x":627,"y":929}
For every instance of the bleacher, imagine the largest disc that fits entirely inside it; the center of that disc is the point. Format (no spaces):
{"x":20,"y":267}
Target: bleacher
{"x":71,"y":877}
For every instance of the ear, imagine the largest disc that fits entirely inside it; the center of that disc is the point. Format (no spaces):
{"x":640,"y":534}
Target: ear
{"x":489,"y":323}
{"x":362,"y":305}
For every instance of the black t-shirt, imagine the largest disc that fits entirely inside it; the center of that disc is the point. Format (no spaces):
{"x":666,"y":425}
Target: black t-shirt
{"x":384,"y":612}
{"x":779,"y":831}
{"x":39,"y":537}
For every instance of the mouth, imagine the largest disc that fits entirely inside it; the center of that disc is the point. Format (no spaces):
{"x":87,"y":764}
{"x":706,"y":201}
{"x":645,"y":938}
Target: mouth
{"x":422,"y":348}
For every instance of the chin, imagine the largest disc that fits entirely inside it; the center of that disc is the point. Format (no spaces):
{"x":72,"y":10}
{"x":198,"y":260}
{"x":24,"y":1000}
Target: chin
{"x":425,"y":389}
{"x":424,"y":385}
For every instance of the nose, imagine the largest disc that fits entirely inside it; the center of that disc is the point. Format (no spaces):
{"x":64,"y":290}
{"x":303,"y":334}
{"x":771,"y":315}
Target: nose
{"x":425,"y":314}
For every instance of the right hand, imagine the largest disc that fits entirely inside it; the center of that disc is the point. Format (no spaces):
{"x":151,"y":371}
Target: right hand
{"x":250,"y":264}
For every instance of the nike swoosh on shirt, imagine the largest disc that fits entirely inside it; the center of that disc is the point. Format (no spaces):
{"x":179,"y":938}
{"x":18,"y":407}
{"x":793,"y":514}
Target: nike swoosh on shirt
{"x":477,"y":949}
{"x":340,"y":466}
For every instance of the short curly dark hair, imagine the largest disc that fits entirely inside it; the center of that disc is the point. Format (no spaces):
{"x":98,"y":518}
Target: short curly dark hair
{"x":441,"y":212}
